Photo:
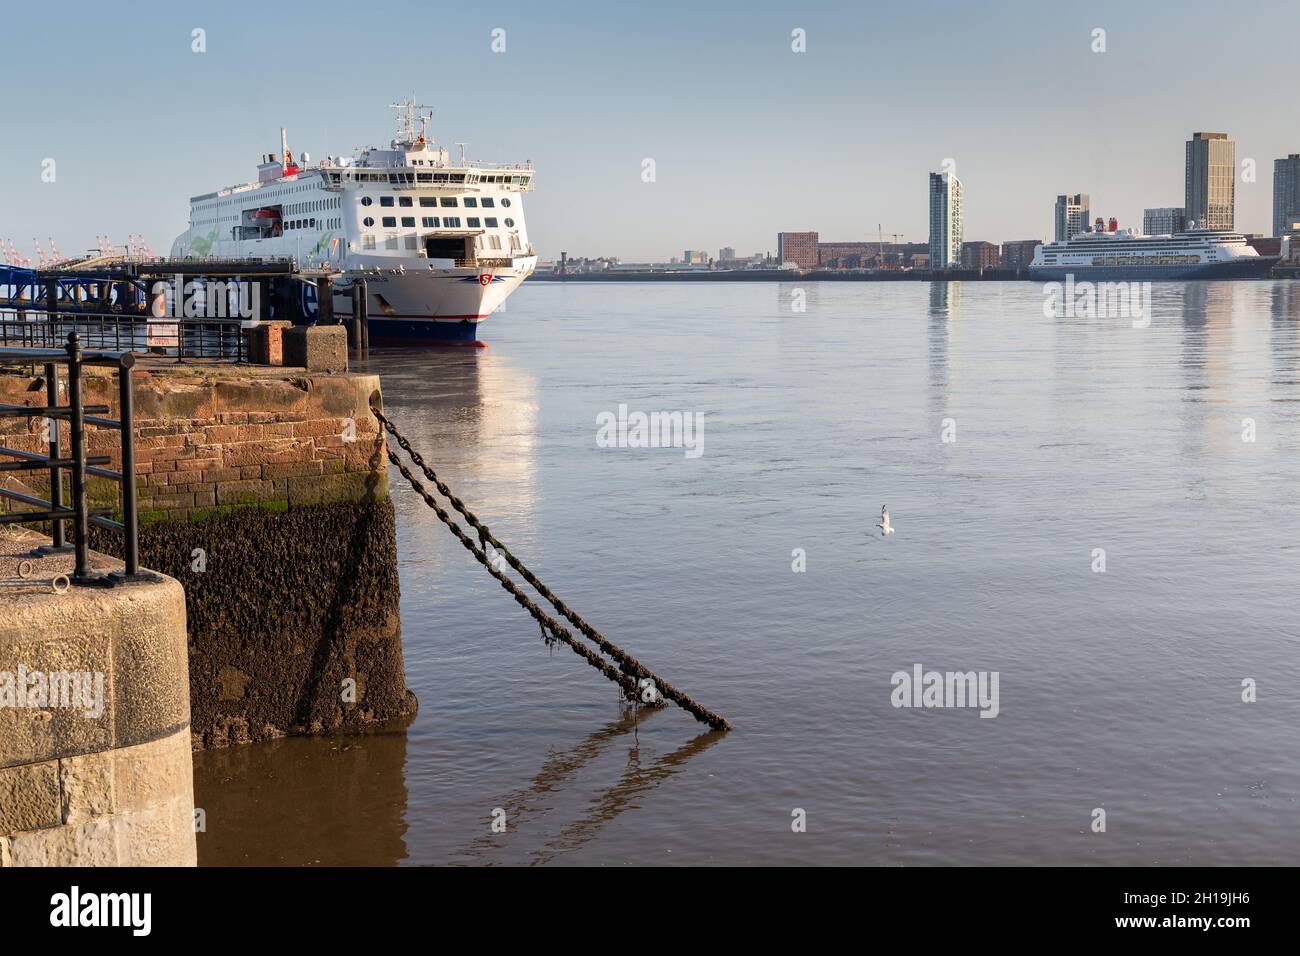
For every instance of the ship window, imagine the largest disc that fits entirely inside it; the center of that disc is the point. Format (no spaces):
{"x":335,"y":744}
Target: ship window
{"x":390,"y":221}
{"x":425,"y":177}
{"x":488,"y":202}
{"x":471,"y":202}
{"x":410,"y":242}
{"x":490,"y":222}
{"x":509,"y":223}
{"x":427,"y":201}
{"x":494,"y":242}
{"x":472,"y":222}
{"x":368,"y":222}
{"x":405,"y":201}
{"x":312,"y":223}
{"x":505,"y":202}
{"x":408,"y":222}
{"x":449,"y":200}
{"x":430,"y":222}
{"x":451,"y":222}
{"x":385,"y":200}
{"x":367,"y":242}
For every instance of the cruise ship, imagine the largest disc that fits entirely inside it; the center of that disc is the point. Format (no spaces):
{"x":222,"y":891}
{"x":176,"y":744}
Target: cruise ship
{"x":441,"y":244}
{"x":1103,"y":254}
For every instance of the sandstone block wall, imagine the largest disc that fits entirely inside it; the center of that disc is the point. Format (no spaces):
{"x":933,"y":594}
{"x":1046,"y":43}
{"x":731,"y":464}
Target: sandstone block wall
{"x":103,"y":777}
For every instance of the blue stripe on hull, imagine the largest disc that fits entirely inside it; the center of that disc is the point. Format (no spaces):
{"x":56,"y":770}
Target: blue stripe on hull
{"x":393,"y":331}
{"x":1253,"y":269}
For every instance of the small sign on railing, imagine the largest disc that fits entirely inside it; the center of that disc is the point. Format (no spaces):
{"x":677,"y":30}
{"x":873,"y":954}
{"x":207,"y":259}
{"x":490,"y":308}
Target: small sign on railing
{"x":163,"y":334}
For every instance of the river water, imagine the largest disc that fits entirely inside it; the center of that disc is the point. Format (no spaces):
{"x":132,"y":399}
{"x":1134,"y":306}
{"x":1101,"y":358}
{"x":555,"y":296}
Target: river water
{"x":1104,"y":515}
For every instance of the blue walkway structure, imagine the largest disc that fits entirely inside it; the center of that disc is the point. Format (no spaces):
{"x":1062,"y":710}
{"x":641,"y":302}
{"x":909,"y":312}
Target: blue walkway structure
{"x":108,"y":289}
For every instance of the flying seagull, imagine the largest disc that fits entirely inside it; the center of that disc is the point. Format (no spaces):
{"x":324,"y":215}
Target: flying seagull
{"x":884,"y":521}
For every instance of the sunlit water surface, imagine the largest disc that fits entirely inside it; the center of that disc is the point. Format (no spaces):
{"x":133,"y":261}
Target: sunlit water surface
{"x":1119,"y":690}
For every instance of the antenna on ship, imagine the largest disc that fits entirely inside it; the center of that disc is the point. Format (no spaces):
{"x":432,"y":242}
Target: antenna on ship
{"x":462,"y":152}
{"x":406,"y":118}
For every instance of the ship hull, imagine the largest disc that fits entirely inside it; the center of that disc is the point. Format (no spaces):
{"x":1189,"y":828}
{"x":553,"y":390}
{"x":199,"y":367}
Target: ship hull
{"x":430,"y":307}
{"x":1243,"y":267}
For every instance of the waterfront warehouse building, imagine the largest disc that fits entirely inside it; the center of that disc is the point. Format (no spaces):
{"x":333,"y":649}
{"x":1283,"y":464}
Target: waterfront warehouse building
{"x":797,"y":247}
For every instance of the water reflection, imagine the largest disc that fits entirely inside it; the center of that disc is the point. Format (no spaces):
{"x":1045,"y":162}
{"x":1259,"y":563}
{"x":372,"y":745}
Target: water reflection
{"x":945,"y":297}
{"x":304,"y":801}
{"x":561,"y":770}
{"x":473,"y":416}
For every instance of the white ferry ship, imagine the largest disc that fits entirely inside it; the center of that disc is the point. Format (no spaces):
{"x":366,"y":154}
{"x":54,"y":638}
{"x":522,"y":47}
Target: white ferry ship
{"x":440,"y":244}
{"x":1125,"y":254}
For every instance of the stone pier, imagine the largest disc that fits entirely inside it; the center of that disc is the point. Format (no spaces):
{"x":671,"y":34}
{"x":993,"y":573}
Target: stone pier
{"x":263,"y":492}
{"x":95,"y":760}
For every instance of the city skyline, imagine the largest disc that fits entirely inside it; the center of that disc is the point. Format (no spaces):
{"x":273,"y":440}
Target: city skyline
{"x":1040,"y":114}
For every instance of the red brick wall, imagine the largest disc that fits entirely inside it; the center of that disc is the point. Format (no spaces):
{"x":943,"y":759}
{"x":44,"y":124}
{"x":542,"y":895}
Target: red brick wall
{"x":206,"y":441}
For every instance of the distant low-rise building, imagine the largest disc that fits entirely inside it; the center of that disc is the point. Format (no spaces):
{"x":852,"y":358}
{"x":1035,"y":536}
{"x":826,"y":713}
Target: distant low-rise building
{"x":1019,"y":253}
{"x":1290,"y":244}
{"x":799,"y":248}
{"x":847,"y":255}
{"x":1164,"y":220}
{"x":980,"y":255}
{"x":1265,"y":245}
{"x":726,"y":254}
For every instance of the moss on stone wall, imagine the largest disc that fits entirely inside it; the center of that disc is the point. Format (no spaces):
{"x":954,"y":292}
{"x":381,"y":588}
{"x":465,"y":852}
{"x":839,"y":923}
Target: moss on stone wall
{"x":290,"y":605}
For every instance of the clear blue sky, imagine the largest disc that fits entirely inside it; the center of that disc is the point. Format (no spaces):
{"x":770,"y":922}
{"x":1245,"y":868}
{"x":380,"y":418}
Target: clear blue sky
{"x":748,"y":137}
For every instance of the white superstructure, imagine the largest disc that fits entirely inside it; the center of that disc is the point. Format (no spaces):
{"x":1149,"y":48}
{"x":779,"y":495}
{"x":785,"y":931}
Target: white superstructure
{"x":441,"y":244}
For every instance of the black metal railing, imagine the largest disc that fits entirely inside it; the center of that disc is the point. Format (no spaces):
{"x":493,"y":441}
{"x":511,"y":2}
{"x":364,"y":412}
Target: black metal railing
{"x":76,"y":463}
{"x":223,"y":340}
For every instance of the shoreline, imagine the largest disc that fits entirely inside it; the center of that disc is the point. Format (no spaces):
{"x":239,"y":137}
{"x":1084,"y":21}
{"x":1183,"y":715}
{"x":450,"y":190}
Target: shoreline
{"x":831,"y":275}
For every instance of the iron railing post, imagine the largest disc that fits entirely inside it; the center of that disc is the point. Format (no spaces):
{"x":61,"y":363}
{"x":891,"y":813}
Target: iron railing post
{"x":80,"y":508}
{"x":126,"y":418}
{"x":56,"y":474}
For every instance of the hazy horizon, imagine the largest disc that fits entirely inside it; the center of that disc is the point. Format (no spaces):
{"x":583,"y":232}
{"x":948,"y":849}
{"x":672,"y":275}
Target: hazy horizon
{"x":746,"y":135}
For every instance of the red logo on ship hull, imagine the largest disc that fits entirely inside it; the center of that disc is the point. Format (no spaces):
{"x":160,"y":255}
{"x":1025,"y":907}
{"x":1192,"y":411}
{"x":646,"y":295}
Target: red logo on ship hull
{"x":485,"y":278}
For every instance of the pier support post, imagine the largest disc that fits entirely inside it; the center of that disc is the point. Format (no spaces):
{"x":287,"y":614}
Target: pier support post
{"x":52,"y":312}
{"x":361,"y":315}
{"x":325,"y":301}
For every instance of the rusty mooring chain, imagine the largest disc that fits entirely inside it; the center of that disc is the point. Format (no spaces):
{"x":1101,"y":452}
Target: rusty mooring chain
{"x":630,"y":672}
